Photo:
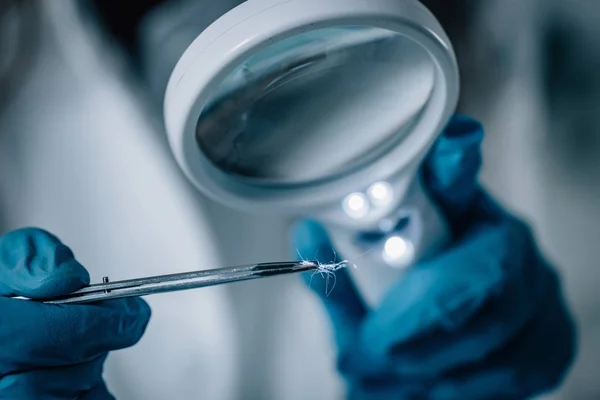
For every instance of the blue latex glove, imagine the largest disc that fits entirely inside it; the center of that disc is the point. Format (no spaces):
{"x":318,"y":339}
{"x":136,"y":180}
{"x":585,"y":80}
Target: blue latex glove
{"x":483,"y":320}
{"x":56,"y":352}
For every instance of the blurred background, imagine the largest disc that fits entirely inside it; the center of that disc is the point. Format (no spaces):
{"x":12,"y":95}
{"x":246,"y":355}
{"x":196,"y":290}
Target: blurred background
{"x":83,"y":154}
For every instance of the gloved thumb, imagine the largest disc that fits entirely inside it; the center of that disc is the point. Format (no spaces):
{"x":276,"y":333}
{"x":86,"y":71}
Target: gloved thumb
{"x":100,"y":392}
{"x":35,"y":264}
{"x":337,"y":292}
{"x":451,"y":168}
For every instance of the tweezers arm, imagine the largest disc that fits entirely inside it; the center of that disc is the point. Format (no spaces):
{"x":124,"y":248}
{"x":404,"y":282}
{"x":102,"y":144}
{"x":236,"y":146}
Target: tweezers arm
{"x":177,"y":282}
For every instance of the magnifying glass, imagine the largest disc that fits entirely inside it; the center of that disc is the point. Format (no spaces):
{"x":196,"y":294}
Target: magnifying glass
{"x":322,"y":109}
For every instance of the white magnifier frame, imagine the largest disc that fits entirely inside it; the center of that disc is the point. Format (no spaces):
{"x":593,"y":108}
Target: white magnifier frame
{"x":256,"y":24}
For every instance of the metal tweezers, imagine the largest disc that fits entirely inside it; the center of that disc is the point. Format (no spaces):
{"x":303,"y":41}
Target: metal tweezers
{"x":175,"y":282}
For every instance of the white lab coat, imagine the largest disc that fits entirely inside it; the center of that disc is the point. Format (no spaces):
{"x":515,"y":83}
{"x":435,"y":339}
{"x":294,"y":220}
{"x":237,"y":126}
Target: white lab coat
{"x":80,"y":156}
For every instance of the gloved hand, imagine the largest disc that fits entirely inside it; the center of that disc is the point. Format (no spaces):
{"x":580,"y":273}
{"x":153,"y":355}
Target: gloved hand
{"x":56,"y":352}
{"x":483,"y":320}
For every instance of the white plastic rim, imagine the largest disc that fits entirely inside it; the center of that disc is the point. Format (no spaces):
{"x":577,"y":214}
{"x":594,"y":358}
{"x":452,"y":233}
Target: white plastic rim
{"x":256,"y":24}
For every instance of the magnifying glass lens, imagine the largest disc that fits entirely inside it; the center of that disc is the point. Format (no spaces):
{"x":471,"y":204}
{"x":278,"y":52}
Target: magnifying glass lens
{"x":316,"y":105}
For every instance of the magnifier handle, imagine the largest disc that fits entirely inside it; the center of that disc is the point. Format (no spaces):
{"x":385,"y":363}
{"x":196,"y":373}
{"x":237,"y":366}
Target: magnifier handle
{"x":425,"y":231}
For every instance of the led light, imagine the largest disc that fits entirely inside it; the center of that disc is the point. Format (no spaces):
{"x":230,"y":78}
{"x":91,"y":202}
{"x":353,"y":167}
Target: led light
{"x":381,"y":193}
{"x":356,"y":205}
{"x":386,"y":225}
{"x":398,"y":251}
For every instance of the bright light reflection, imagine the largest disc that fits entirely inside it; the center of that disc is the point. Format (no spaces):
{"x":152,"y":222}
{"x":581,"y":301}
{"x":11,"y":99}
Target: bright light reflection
{"x":398,"y":251}
{"x":381,"y":193}
{"x":356,"y":205}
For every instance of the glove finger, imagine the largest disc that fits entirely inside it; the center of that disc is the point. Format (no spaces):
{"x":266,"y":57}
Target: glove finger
{"x":501,"y":318}
{"x":385,"y":388}
{"x":451,"y":168}
{"x":99,"y":392}
{"x":60,"y":383}
{"x":35,"y":264}
{"x":37,"y":334}
{"x":533,"y":362}
{"x":447,"y":291}
{"x":337,"y":292}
